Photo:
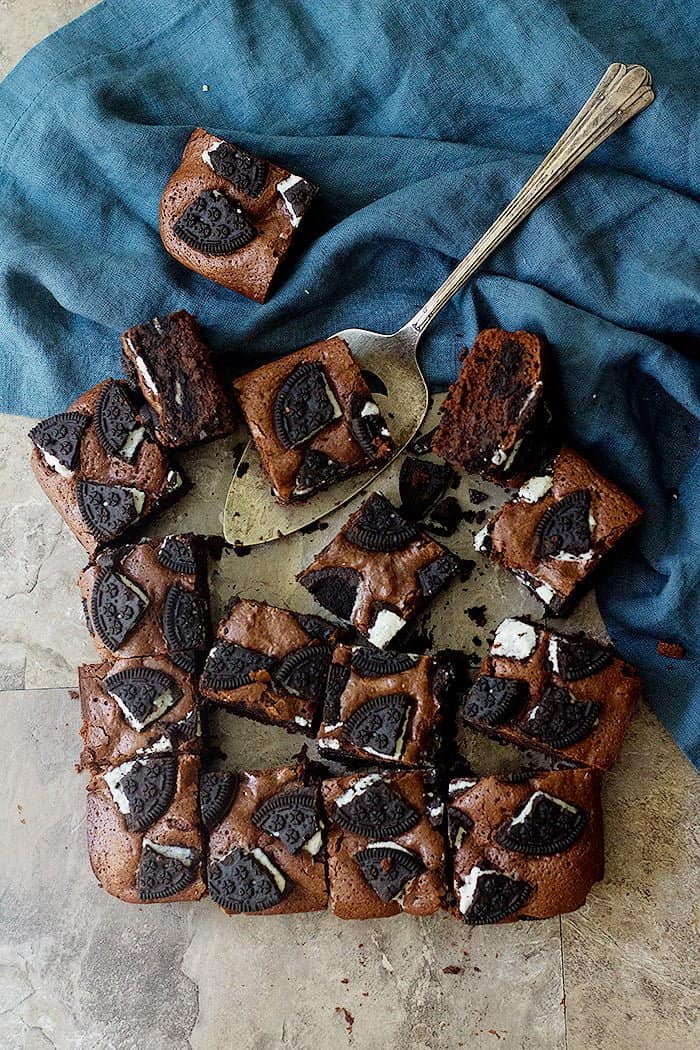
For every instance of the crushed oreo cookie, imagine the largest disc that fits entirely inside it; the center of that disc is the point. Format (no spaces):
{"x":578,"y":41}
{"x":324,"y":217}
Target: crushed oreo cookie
{"x":59,"y":437}
{"x":374,"y":663}
{"x":438,"y":573}
{"x":564,"y":528}
{"x":304,"y":405}
{"x":241,"y":882}
{"x":215,"y":225}
{"x":493,"y":700}
{"x":388,"y":869}
{"x":379,"y":724}
{"x":230,"y":666}
{"x":177,"y":553}
{"x":303,"y":672}
{"x":244,"y":171}
{"x":378,"y":812}
{"x":335,"y":589}
{"x":578,"y":658}
{"x":116,"y":607}
{"x":149,"y":787}
{"x":317,"y":627}
{"x":317,"y":471}
{"x":543,"y":826}
{"x":107,"y":510}
{"x":560,"y":721}
{"x":118,"y":429}
{"x":185,"y":619}
{"x":338,"y":676}
{"x":217,"y":790}
{"x":160,"y":876}
{"x":379,"y":527}
{"x":495,"y":897}
{"x":443,"y":520}
{"x":144,"y":692}
{"x":291,"y":816}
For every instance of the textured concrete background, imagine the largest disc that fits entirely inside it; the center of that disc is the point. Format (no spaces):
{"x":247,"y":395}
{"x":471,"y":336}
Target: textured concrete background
{"x":80,"y":971}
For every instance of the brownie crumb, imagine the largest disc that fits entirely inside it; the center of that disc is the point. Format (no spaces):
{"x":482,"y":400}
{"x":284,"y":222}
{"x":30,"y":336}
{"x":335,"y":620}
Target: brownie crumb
{"x":477,"y":496}
{"x":347,"y":1016}
{"x":453,"y":969}
{"x":477,"y":614}
{"x":673,"y":650}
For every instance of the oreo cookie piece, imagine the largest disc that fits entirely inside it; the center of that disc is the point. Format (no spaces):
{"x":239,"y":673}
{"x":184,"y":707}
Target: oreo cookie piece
{"x":231,"y":666}
{"x":119,"y":431}
{"x":488,"y":896}
{"x":116,"y":607}
{"x":374,"y":663}
{"x":215,"y":225}
{"x":303,"y":672}
{"x":184,"y":619}
{"x":244,"y":171}
{"x":421,"y":484}
{"x":338,"y":676}
{"x":366,"y":424}
{"x":58,"y":438}
{"x":560,"y":721}
{"x":543,"y":826}
{"x":178,"y":554}
{"x":335,"y":589}
{"x":564,"y":528}
{"x":379,"y":725}
{"x":379,"y":527}
{"x":388,"y":869}
{"x":165,"y":871}
{"x":494,"y":700}
{"x":143,"y":789}
{"x":317,"y":627}
{"x":438,"y":573}
{"x":317,"y":472}
{"x":377,"y":812}
{"x":216,"y":794}
{"x":108,"y":510}
{"x":143,"y":693}
{"x":304,"y":405}
{"x":291,"y":816}
{"x":459,"y":824}
{"x":576,"y":658}
{"x":297,"y":194}
{"x":245,"y":882}
{"x":186,"y":660}
{"x":443,"y":520}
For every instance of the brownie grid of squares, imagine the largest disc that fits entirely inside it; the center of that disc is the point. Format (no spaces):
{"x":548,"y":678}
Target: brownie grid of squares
{"x":313,"y":419}
{"x":564,"y":694}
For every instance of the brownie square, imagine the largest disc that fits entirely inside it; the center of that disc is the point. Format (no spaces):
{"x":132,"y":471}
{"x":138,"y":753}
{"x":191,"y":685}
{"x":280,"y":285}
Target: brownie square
{"x":143,"y":829}
{"x":313,"y":419}
{"x":528,"y":849}
{"x":231,"y":216}
{"x":384,"y":855}
{"x":388,"y":707}
{"x":270,"y":664}
{"x":265,"y":854}
{"x":167,"y":360}
{"x":495,"y":419}
{"x":99,"y":466}
{"x":149,"y":599}
{"x":130,"y":705}
{"x":379,"y":572}
{"x":558,"y":528}
{"x":564,"y":694}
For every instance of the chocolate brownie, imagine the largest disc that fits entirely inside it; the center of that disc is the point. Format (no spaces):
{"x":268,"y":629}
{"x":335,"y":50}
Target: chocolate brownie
{"x":270,"y":664}
{"x":149,"y":599}
{"x":265,"y":854}
{"x":167,"y":360}
{"x":558,"y":528}
{"x":495,"y":418}
{"x":564,"y":694}
{"x":129,"y":705}
{"x":379,"y":572}
{"x":384,"y":855}
{"x":313,"y":419}
{"x":99,"y":466}
{"x":528,"y":849}
{"x":231,"y":216}
{"x":143,"y":829}
{"x":386,"y":706}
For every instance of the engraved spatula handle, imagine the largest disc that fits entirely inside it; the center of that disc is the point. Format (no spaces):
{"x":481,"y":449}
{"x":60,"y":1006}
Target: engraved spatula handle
{"x":623,"y":92}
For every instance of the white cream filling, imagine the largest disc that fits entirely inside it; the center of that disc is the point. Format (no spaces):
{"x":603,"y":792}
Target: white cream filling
{"x":398,"y":750}
{"x":459,"y":837}
{"x":467,"y":890}
{"x":480,"y":538}
{"x":499,"y":457}
{"x":145,"y":374}
{"x":160,"y":705}
{"x":302,"y":721}
{"x":206,"y":154}
{"x":386,"y":626}
{"x":581,"y":558}
{"x":457,"y":786}
{"x":314,"y":844}
{"x":161,"y":745}
{"x":133,"y":440}
{"x":535,"y":488}
{"x":532,"y":394}
{"x":331,"y":744}
{"x":359,"y":788}
{"x":113,"y":779}
{"x":512,"y":454}
{"x":277,"y":875}
{"x":173,"y":480}
{"x":514,"y":639}
{"x":52,"y":462}
{"x":527,"y":809}
{"x":178,"y":392}
{"x":184,"y":854}
{"x":545,"y":592}
{"x":282,"y":189}
{"x":553,"y":653}
{"x":130,"y":583}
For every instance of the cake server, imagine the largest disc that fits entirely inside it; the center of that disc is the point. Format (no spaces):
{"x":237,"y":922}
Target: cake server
{"x":251,"y":515}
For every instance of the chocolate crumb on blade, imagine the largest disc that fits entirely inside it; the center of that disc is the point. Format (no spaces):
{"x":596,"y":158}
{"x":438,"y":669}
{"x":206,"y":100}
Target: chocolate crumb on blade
{"x":528,"y":848}
{"x":566,"y":695}
{"x":100,"y":467}
{"x":270,"y":665}
{"x":558,"y":528}
{"x":379,"y":572}
{"x":313,"y":419}
{"x":167,"y":360}
{"x":266,"y":852}
{"x":384,"y":855}
{"x":495,"y":420}
{"x":232,"y":216}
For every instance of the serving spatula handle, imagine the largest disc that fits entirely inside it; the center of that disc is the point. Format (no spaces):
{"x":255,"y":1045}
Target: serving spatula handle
{"x":623,"y":92}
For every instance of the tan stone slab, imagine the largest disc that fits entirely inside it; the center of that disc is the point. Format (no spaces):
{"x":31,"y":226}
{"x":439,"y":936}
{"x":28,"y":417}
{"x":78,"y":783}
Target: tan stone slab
{"x":24,"y":23}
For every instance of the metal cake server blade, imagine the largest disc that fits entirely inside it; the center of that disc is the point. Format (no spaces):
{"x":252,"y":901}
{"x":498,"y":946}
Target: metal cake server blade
{"x":251,"y":514}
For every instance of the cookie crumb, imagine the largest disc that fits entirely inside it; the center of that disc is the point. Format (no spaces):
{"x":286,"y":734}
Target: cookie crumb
{"x":453,"y":969}
{"x":674,"y":650}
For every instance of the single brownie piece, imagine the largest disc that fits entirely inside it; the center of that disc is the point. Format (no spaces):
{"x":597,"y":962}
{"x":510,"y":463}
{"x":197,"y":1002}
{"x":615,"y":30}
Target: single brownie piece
{"x":265,"y":853}
{"x":313,"y":419}
{"x":384,"y":855}
{"x":149,"y":599}
{"x":379,"y":572}
{"x":167,"y":360}
{"x":495,"y":419}
{"x":386,"y":706}
{"x":524,"y":849}
{"x":99,"y":466}
{"x":130,"y":705}
{"x":231,"y":216}
{"x":564,"y":694}
{"x":557,"y":529}
{"x":270,"y":664}
{"x":143,"y":829}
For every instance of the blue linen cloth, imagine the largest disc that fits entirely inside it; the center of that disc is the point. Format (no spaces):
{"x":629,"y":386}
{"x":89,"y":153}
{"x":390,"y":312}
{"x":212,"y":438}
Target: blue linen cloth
{"x":419,"y":119}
